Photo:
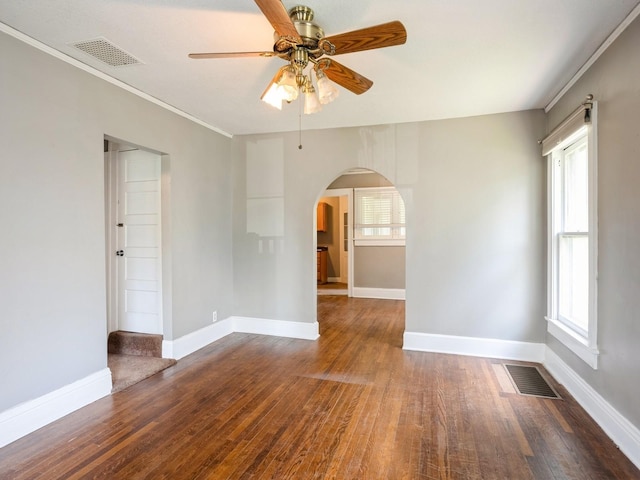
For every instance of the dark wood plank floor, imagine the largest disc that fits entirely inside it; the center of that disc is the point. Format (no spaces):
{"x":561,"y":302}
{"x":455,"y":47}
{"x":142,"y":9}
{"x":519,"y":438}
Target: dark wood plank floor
{"x":352,"y":405}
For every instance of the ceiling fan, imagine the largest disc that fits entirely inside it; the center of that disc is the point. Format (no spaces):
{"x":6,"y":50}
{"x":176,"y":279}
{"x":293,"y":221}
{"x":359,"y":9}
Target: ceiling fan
{"x":301,"y":42}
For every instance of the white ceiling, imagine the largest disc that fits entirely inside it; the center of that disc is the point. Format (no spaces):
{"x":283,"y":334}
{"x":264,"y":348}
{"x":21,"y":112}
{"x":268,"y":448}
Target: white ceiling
{"x":462,"y":57}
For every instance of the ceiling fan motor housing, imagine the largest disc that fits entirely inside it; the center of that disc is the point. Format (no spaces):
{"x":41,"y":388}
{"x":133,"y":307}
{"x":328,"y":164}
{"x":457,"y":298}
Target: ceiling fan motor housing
{"x":311,"y":34}
{"x":301,"y":13}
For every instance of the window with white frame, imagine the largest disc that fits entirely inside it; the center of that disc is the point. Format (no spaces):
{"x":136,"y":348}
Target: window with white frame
{"x":572,"y":237}
{"x":379,"y":216}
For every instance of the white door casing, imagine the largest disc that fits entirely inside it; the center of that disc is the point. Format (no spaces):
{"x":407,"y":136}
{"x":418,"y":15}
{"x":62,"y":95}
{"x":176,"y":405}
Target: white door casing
{"x":346,"y":257}
{"x":344,"y":239}
{"x":137,"y":282}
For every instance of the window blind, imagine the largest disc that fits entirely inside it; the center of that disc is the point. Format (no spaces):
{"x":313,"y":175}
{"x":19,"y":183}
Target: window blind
{"x":379,"y":213}
{"x":570,"y":126}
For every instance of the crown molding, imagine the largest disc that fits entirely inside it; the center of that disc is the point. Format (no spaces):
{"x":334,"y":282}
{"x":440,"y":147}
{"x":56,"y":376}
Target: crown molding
{"x":103,"y":76}
{"x":596,"y":55}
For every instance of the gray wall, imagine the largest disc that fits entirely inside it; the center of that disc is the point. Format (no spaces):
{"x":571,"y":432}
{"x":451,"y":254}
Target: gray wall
{"x":474,"y":190}
{"x":52,"y":271}
{"x":379,"y":267}
{"x":614,"y":81}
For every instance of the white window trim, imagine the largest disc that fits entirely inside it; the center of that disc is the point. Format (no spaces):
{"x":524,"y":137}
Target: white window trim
{"x":574,"y":342}
{"x":373,"y":242}
{"x":585,"y":347}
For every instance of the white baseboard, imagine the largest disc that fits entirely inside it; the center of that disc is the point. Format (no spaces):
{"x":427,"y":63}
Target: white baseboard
{"x":278,"y":328}
{"x":382,"y":293}
{"x":187,"y":344}
{"x":29,"y":416}
{"x":183,"y":346}
{"x":474,"y":346}
{"x":333,"y":279}
{"x":623,"y":433}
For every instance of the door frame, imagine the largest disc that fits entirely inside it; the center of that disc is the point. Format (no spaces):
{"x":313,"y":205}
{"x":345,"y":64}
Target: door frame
{"x":110,"y":181}
{"x":112,"y":147}
{"x":345,"y":192}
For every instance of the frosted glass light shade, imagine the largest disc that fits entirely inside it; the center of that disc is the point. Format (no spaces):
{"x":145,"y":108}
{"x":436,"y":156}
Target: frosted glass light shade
{"x":288,"y":86}
{"x":327,"y":91}
{"x":272,"y":97}
{"x":311,"y":102}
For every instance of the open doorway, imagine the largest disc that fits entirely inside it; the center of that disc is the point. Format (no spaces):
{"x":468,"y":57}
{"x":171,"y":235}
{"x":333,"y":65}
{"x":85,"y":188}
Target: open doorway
{"x":134,"y":248}
{"x":133,"y":226}
{"x":361,"y":237}
{"x":334,"y":261}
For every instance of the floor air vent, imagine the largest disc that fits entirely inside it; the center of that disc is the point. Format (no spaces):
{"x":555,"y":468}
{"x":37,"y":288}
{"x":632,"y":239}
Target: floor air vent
{"x":106,"y":52}
{"x":529,"y":381}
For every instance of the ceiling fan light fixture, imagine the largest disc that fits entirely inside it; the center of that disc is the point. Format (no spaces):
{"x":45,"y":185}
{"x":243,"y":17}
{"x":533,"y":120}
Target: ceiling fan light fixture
{"x":299,"y":41}
{"x":327,"y":91}
{"x":311,"y":101}
{"x":288,"y":85}
{"x":272,"y":96}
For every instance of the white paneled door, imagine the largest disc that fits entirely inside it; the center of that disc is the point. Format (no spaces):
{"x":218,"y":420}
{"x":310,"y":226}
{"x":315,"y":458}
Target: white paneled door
{"x":138,"y":250}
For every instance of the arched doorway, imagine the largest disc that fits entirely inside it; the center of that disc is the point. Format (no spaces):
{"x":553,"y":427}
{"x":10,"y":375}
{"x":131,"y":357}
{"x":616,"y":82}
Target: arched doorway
{"x":376,"y":266}
{"x":349,"y":262}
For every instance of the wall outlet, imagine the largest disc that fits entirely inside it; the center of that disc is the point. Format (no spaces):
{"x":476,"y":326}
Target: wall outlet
{"x":215,"y":317}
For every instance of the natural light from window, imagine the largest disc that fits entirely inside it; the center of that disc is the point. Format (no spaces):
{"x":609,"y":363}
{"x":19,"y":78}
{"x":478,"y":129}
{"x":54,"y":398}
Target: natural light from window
{"x":379,"y":216}
{"x":572,"y":286}
{"x":573,"y":237}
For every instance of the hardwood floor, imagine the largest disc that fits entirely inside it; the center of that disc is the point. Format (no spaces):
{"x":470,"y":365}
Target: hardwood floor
{"x":352,"y":405}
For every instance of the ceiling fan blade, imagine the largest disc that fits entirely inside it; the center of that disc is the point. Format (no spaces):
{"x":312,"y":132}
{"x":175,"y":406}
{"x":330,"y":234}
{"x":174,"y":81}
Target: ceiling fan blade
{"x":232,"y":55}
{"x":279,"y":18}
{"x":379,"y":36}
{"x":346,"y":77}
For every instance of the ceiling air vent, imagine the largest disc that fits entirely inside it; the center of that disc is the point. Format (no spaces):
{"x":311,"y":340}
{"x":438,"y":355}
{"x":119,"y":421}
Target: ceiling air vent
{"x":106,"y":52}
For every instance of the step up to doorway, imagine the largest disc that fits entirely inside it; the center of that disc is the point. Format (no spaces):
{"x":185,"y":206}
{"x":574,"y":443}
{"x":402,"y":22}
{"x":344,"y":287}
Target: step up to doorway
{"x":131,"y":343}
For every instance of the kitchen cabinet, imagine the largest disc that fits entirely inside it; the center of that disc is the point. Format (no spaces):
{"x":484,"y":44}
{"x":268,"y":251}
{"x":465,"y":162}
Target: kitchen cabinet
{"x":322,"y":264}
{"x":322,"y":217}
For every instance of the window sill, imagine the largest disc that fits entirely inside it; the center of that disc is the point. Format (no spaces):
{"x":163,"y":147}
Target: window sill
{"x":574,"y":342}
{"x":378,"y":243}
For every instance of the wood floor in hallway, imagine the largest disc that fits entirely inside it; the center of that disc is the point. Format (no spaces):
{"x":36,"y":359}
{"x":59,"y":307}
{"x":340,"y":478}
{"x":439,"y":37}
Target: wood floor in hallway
{"x":351,"y":405}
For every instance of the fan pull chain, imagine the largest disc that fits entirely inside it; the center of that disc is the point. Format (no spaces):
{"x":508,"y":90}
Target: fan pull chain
{"x":300,"y":126}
